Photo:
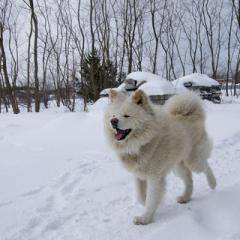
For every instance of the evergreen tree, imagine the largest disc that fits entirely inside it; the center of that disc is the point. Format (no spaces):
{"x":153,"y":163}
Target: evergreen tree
{"x":96,"y":75}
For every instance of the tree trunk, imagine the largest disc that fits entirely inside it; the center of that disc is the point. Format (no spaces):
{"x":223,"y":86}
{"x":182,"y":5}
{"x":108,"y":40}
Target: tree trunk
{"x":9,"y":89}
{"x":35,"y":52}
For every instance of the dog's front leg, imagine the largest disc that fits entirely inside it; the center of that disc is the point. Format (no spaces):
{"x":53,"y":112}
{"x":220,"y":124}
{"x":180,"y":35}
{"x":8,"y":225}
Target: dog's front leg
{"x":155,"y":193}
{"x":141,"y":186}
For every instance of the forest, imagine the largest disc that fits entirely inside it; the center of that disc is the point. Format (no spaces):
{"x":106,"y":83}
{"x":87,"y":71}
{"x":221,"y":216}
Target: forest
{"x":64,"y":50}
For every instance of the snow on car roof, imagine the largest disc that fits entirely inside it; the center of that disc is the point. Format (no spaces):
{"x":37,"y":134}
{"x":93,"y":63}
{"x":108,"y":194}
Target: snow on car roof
{"x":143,"y":76}
{"x":197,"y":79}
{"x":105,"y":91}
{"x":121,"y":87}
{"x":157,"y":88}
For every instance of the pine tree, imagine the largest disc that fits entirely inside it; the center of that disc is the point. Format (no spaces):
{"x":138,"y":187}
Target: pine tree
{"x":96,"y":75}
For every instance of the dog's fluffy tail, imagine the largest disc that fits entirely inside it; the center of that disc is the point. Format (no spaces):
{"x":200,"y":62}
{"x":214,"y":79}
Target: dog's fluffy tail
{"x":187,"y":106}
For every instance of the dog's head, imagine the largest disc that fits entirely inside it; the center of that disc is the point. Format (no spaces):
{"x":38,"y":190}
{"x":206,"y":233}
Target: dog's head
{"x":129,"y":120}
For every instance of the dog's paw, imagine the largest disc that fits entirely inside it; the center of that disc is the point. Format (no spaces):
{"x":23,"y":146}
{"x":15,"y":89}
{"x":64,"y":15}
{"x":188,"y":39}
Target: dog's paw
{"x":183,"y":199}
{"x":142,"y":220}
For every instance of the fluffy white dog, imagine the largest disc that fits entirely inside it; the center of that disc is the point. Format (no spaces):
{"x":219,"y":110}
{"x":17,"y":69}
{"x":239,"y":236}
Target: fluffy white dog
{"x":152,"y":140}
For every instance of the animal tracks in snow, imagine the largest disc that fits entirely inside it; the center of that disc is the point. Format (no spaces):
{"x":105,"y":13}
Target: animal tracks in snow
{"x":70,"y":201}
{"x":93,"y":196}
{"x":66,"y":198}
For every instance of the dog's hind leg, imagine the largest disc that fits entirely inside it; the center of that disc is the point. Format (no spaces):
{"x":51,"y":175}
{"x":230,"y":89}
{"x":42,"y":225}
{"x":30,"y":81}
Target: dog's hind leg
{"x":155,"y":193}
{"x":203,"y":167}
{"x":141,"y":190}
{"x":186,"y":175}
{"x":210,"y":176}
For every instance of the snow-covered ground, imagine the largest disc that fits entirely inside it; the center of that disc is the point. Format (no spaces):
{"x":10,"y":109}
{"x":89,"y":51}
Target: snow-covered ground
{"x":59,"y":180}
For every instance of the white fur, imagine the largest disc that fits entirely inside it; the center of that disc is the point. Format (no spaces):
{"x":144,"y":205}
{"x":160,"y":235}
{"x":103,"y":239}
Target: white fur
{"x":163,"y":138}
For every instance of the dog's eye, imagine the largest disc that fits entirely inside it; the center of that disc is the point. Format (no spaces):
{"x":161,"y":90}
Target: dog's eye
{"x":126,"y":116}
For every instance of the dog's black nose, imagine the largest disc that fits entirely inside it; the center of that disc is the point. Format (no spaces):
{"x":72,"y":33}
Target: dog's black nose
{"x":114,"y":122}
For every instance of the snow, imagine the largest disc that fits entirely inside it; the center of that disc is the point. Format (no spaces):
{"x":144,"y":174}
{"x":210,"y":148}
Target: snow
{"x":120,"y":88}
{"x":162,"y":87}
{"x":100,"y":104}
{"x":59,"y":180}
{"x":197,"y":79}
{"x":143,"y":76}
{"x":105,"y":91}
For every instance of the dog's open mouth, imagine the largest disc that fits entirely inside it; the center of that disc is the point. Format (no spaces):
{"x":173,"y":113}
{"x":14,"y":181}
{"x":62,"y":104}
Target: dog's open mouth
{"x":121,"y":134}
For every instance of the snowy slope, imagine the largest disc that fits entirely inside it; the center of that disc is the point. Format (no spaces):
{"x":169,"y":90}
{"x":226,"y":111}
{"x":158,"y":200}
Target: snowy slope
{"x":59,"y":180}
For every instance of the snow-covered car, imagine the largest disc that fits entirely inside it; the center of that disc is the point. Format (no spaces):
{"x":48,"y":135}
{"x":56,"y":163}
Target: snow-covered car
{"x":158,"y":91}
{"x":157,"y":88}
{"x":205,"y":86}
{"x":104,"y":92}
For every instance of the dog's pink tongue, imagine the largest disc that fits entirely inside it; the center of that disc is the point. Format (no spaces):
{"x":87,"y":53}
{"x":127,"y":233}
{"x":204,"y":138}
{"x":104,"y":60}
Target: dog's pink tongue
{"x":119,"y":135}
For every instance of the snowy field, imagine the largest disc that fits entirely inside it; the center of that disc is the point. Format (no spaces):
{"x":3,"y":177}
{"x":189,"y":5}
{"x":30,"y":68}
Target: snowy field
{"x":60,"y":181}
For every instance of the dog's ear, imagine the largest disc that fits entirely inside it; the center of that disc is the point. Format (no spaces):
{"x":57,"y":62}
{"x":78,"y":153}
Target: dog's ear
{"x":141,"y":99}
{"x":112,"y":95}
{"x":115,"y":95}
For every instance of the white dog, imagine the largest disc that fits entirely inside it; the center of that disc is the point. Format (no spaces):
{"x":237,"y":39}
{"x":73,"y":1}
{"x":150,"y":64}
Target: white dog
{"x":152,"y":140}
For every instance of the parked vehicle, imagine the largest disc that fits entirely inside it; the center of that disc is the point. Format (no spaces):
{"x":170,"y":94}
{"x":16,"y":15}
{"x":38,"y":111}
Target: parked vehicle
{"x":157,"y":88}
{"x":206,"y":87}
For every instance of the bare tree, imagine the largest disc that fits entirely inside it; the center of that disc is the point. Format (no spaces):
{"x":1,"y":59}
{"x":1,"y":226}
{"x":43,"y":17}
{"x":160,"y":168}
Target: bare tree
{"x":212,"y":26}
{"x":34,"y":19}
{"x":131,"y":15}
{"x":5,"y":12}
{"x":29,"y":95}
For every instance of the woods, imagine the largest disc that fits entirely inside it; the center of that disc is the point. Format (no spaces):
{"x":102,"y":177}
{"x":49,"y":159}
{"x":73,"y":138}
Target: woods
{"x":63,"y":50}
